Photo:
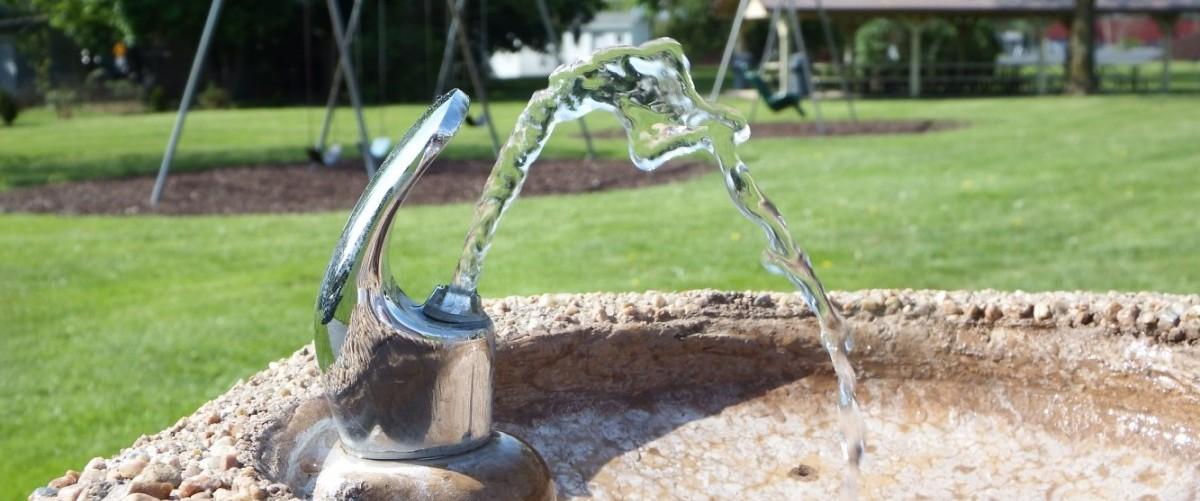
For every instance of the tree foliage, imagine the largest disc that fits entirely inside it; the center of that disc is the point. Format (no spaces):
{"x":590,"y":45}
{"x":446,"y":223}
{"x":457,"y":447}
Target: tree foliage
{"x":694,"y":23}
{"x":257,"y":50}
{"x":90,"y":24}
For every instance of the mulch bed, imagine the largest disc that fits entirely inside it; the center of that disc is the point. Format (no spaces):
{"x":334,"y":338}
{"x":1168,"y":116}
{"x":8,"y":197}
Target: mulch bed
{"x":832,"y":128}
{"x":299,"y":188}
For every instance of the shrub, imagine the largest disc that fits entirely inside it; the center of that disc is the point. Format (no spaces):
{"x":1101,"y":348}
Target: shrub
{"x":62,"y":101}
{"x":214,"y":97}
{"x":156,"y":99}
{"x":123,"y":89}
{"x":8,"y":108}
{"x":93,"y":84}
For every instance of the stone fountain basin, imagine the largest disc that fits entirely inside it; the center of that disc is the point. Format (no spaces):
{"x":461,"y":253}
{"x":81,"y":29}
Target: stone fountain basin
{"x":707,"y":394}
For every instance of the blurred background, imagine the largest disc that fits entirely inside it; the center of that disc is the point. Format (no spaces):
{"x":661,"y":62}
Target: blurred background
{"x":973,"y":144}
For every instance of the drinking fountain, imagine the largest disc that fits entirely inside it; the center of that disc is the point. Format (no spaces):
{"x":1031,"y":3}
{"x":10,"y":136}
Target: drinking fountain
{"x":409,"y":385}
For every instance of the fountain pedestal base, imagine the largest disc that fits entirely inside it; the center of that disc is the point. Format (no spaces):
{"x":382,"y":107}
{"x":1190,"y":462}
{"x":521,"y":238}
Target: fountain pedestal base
{"x":504,"y":468}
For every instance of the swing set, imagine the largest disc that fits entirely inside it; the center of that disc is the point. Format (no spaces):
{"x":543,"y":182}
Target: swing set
{"x":795,"y":70}
{"x":322,"y":152}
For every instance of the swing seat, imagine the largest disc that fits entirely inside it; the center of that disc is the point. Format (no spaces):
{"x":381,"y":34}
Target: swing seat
{"x":327,"y":157}
{"x":776,"y":101}
{"x":477,"y":122}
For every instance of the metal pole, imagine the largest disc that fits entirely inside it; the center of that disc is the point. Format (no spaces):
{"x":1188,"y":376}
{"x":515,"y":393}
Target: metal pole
{"x":836,"y":56}
{"x":473,"y":73}
{"x":214,"y":11}
{"x":768,"y":53}
{"x":343,"y":44}
{"x":335,"y":87}
{"x":728,"y":54}
{"x":447,"y":53}
{"x":812,"y":91}
{"x":552,"y":42}
{"x":785,"y":54}
{"x":914,"y":59}
{"x":1166,"y":26}
{"x":1039,"y":34}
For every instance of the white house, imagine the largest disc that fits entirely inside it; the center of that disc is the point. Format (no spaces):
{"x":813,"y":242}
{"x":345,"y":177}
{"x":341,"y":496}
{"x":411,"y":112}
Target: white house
{"x":608,"y":28}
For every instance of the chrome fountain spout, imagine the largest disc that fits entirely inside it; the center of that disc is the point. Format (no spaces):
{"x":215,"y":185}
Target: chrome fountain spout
{"x":410,"y":385}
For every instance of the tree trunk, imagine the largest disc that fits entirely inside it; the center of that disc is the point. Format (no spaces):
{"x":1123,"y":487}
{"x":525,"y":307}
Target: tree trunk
{"x":1081,"y":69}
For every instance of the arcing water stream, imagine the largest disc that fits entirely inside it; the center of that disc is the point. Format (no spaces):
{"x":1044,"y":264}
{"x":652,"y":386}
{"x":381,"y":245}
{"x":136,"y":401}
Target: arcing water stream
{"x":650,"y":91}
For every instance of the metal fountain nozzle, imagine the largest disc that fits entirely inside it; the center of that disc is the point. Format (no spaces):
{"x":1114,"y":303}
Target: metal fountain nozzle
{"x":410,"y":385}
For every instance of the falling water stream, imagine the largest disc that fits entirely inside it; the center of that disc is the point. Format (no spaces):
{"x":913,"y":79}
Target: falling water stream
{"x":650,"y":91}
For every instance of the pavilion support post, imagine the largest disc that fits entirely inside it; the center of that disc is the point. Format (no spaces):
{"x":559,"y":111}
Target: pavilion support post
{"x":836,"y":57}
{"x":1039,"y":36}
{"x":856,"y":80}
{"x":1166,"y":26}
{"x":914,"y":59}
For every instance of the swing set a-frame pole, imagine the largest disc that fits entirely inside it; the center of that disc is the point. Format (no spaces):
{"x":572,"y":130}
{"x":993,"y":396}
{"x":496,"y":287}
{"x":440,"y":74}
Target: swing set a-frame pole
{"x":726,"y":56}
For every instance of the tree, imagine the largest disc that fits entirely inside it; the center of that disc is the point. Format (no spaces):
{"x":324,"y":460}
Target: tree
{"x":1081,"y":68}
{"x":257,"y":47}
{"x":700,"y":25}
{"x":90,"y":24}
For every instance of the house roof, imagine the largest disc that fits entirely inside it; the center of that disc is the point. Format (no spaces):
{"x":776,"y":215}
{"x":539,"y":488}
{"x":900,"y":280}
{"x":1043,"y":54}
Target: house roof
{"x":616,"y":20}
{"x":979,"y":7}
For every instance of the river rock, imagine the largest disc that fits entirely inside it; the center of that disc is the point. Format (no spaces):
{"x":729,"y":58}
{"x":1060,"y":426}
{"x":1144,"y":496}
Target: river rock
{"x":160,"y":490}
{"x":68,"y":478}
{"x":199,"y":483}
{"x":157,"y":472}
{"x":131,"y":467}
{"x":1041,"y":311}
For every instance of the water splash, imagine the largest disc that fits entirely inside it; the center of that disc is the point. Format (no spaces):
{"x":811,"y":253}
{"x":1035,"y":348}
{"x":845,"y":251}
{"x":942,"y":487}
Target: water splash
{"x":650,"y":91}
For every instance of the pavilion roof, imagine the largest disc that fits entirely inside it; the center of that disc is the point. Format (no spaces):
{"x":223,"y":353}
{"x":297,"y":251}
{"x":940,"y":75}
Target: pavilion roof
{"x":978,"y":7}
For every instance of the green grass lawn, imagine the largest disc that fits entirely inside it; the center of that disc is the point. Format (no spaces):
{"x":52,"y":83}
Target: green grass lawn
{"x":114,"y":327}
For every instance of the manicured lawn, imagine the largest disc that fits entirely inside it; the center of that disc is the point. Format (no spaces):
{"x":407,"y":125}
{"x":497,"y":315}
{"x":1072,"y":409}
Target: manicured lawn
{"x":114,"y":327}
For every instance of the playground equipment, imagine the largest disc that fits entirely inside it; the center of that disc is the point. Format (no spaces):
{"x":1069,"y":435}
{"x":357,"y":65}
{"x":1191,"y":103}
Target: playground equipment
{"x":323,"y":153}
{"x":780,"y":34}
{"x":793,"y":79}
{"x":343,"y":71}
{"x":455,"y":37}
{"x":552,"y":46}
{"x":776,"y":101}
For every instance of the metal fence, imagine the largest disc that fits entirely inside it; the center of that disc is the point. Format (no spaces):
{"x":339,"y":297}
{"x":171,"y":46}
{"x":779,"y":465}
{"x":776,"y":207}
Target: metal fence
{"x":984,"y":79}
